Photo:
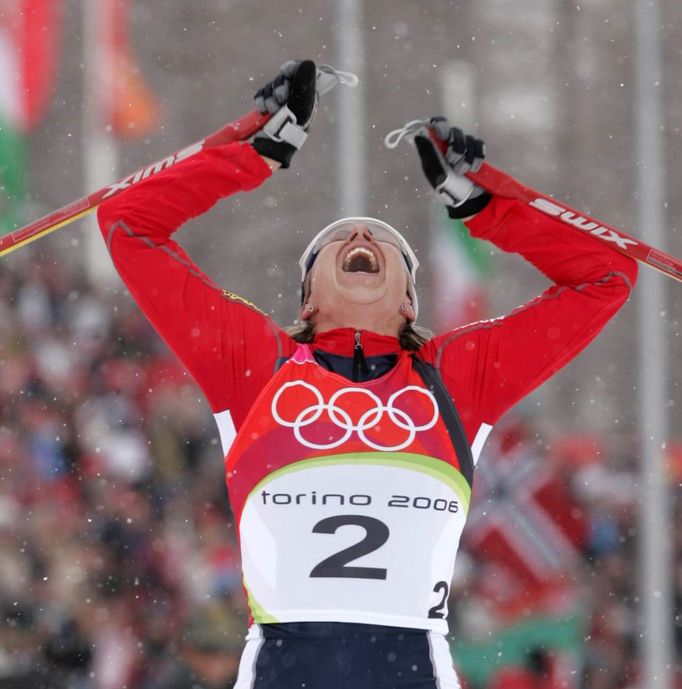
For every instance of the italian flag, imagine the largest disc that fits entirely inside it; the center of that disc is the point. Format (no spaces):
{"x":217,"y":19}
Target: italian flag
{"x":459,"y":266}
{"x":29,"y":32}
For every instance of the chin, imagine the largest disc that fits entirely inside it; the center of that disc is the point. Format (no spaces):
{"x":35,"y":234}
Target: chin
{"x":361,"y":295}
{"x":360,"y":287}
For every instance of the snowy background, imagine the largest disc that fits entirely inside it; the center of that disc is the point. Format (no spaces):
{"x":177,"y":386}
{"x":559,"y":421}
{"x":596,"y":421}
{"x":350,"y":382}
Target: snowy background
{"x":114,"y":531}
{"x":553,"y":99}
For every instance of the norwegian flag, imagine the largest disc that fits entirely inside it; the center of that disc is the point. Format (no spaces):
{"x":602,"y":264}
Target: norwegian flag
{"x":523,"y":514}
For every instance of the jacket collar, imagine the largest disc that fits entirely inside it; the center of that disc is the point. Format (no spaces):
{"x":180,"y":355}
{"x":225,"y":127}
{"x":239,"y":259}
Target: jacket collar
{"x":342,"y":342}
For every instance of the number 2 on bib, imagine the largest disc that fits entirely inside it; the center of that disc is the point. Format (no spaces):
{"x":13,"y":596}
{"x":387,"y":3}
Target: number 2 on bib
{"x":438,"y":610}
{"x":336,"y":565}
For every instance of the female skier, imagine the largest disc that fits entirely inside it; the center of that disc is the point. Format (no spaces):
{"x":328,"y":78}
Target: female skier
{"x":351,"y":443}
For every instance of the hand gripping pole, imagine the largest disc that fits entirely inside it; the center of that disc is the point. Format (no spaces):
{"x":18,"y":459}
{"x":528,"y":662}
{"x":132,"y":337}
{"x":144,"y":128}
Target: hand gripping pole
{"x":500,"y":183}
{"x":238,"y":130}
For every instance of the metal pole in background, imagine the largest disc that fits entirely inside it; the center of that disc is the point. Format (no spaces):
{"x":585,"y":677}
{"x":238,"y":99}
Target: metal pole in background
{"x":350,"y":140}
{"x":453,"y":275}
{"x":654,"y":514}
{"x":100,"y":154}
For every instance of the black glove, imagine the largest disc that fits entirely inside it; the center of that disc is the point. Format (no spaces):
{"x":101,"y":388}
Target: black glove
{"x":445,"y":172}
{"x":292,"y":97}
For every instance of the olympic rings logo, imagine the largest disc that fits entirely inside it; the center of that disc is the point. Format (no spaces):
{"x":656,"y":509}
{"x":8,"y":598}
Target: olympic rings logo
{"x":342,"y":419}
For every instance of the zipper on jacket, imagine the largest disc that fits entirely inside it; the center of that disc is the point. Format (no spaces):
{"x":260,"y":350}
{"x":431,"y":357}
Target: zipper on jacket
{"x":359,"y":361}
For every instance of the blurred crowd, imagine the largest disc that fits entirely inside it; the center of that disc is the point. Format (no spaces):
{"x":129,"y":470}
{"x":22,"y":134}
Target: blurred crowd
{"x":119,"y":564}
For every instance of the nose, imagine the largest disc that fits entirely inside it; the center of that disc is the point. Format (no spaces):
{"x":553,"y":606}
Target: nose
{"x":359,"y":233}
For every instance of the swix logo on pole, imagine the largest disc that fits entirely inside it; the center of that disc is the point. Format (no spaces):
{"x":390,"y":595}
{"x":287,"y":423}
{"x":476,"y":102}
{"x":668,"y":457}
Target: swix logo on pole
{"x":154,"y":168}
{"x":582,"y":223}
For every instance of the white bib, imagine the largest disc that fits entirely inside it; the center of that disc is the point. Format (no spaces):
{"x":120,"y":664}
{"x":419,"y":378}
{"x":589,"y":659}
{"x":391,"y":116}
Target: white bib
{"x":368,"y":538}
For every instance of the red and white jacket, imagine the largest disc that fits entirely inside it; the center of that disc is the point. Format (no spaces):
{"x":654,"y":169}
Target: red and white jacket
{"x":230,"y":346}
{"x":233,"y":349}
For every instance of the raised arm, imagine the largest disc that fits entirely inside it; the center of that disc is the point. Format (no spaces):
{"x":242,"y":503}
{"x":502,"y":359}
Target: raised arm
{"x":491,"y":365}
{"x":228,"y":345}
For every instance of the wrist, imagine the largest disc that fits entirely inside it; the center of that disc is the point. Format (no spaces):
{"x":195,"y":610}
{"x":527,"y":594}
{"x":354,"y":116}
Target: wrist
{"x":272,"y":164}
{"x":470,"y":207}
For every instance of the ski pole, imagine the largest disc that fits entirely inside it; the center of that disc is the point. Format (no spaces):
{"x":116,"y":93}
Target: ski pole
{"x":238,"y":130}
{"x":500,"y":183}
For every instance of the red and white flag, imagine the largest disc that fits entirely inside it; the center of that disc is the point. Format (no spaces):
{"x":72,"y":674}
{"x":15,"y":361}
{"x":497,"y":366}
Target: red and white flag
{"x":29,"y":38}
{"x":524,"y":515}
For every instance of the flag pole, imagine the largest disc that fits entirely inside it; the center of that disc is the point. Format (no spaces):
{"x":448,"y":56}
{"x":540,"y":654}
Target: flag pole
{"x":655,"y":566}
{"x":100,"y":150}
{"x":350,"y":140}
{"x":452,"y":276}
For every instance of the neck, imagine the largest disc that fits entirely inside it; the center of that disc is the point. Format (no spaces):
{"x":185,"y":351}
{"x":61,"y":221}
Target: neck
{"x":358,"y":321}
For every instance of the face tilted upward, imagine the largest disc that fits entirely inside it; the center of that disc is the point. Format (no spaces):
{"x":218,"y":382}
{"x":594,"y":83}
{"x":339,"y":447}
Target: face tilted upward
{"x":357,"y":279}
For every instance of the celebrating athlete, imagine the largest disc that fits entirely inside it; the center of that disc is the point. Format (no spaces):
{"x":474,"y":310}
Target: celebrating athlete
{"x":351,"y":440}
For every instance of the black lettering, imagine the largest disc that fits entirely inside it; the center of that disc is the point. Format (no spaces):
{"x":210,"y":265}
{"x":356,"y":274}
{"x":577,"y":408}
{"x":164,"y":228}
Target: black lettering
{"x":439,"y":610}
{"x":333,"y":495}
{"x":376,"y":534}
{"x":421,"y":505}
{"x":360,"y":500}
{"x":284,"y":499}
{"x":265,"y":496}
{"x":399,"y":501}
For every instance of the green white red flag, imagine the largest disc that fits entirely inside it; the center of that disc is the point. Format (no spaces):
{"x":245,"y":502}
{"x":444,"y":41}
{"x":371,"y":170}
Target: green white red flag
{"x":30,"y":33}
{"x":29,"y":37}
{"x":459,"y":266}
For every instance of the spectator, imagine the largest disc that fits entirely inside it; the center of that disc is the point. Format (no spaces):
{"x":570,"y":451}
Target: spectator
{"x":210,"y":645}
{"x":110,"y":538}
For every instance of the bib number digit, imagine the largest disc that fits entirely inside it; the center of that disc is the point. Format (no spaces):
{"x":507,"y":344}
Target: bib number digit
{"x":438,"y":610}
{"x":337,"y":565}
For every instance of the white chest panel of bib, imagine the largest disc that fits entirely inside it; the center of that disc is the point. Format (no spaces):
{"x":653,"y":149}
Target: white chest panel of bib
{"x":363,"y":538}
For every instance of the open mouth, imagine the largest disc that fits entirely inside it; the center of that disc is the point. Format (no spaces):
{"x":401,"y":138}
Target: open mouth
{"x":360,"y":259}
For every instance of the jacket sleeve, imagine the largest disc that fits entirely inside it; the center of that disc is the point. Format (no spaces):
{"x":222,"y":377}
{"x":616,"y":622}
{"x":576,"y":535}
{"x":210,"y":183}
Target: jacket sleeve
{"x":490,"y":365}
{"x":226,"y":343}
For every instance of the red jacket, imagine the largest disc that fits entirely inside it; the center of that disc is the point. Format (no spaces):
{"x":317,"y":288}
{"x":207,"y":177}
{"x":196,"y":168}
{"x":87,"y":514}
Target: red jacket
{"x":231,"y":347}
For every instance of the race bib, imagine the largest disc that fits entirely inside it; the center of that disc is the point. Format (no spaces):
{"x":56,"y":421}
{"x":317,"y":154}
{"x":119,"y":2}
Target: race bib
{"x":366,"y":537}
